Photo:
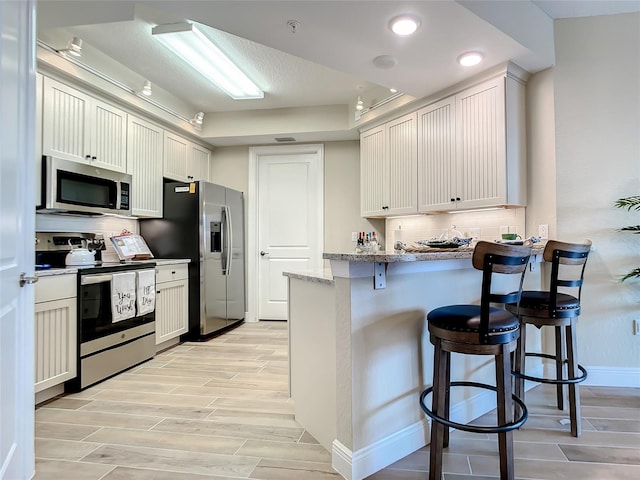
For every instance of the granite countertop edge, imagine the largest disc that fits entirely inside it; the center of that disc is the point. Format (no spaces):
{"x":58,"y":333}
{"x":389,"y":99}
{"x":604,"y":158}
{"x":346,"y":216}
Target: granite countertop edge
{"x":316,"y":276}
{"x":388,"y":257}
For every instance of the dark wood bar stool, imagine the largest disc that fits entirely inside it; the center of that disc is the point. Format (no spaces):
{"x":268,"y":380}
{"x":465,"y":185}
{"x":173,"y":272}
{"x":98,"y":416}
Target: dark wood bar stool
{"x":557,"y":309}
{"x":478,"y":330}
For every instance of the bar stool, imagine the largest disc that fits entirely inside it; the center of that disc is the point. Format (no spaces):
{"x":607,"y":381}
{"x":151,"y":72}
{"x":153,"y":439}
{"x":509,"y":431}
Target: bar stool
{"x":478,"y":330}
{"x":560,"y":310}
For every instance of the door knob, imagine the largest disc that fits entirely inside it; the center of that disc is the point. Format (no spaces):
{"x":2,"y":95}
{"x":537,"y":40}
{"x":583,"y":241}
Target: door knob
{"x":263,"y":253}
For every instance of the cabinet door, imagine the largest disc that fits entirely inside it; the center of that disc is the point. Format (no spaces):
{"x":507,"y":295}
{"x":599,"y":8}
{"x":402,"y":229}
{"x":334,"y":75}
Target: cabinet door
{"x":481,"y":147}
{"x":436,"y":156}
{"x":144,"y":163}
{"x":64,"y":122}
{"x":55,"y":347}
{"x":199,"y":164}
{"x":402,"y":150}
{"x":37,"y":174}
{"x":108,"y":143}
{"x":172,"y":310}
{"x":374,"y":177}
{"x":177,"y":151}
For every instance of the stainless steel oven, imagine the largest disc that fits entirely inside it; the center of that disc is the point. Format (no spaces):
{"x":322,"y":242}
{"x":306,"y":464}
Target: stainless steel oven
{"x":108,"y":346}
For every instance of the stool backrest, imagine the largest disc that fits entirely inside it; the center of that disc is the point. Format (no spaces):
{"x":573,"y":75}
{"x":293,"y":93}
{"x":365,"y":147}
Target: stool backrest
{"x":498,"y":258}
{"x":563,"y":253}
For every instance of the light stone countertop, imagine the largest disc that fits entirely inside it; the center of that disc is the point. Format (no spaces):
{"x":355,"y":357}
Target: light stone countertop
{"x":317,"y":276}
{"x":392,"y":257}
{"x":74,"y":270}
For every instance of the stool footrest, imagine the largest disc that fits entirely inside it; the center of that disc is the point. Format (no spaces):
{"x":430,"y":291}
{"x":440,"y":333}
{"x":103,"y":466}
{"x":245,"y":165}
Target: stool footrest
{"x":476,"y":428}
{"x":554,"y":381}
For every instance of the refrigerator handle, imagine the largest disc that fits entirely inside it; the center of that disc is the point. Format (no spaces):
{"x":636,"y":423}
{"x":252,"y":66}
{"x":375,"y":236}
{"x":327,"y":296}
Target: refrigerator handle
{"x":229,"y":238}
{"x":224,"y":241}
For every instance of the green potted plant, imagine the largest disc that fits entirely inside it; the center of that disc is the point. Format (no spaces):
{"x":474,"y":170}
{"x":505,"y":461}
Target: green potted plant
{"x":630,"y":203}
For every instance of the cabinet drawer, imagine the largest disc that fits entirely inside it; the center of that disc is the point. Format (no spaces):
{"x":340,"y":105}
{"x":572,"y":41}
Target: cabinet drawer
{"x":55,"y":287}
{"x":168,"y":273}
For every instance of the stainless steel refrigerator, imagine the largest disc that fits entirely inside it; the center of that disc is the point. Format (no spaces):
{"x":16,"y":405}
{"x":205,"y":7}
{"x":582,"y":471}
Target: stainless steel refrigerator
{"x":204,"y":222}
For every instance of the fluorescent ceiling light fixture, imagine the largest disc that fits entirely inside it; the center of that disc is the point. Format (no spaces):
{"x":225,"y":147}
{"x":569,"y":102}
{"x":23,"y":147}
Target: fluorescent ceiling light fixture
{"x":470,"y":59}
{"x":146,"y":90}
{"x":74,"y":47}
{"x":404,"y":25}
{"x":198,"y":119}
{"x":195,"y":48}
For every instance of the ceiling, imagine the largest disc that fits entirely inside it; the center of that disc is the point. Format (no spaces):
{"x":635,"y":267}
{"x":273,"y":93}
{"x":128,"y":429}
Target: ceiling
{"x":327,"y":61}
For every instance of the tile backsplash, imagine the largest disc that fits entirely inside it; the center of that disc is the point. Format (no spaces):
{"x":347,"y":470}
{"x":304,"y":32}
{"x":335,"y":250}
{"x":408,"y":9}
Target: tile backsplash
{"x":481,"y":225}
{"x":106,"y":225}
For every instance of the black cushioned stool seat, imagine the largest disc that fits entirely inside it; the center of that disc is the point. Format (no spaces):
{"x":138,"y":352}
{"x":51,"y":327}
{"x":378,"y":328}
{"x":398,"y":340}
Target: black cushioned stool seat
{"x":560,"y":310}
{"x":477,"y":330}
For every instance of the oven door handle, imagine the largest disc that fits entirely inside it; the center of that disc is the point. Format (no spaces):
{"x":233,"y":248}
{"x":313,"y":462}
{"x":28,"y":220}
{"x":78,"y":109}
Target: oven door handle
{"x":92,"y":279}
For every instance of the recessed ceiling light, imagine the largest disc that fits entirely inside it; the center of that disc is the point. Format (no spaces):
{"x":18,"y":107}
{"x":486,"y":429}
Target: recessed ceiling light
{"x":470,"y":59}
{"x":385,"y":62}
{"x":404,"y":24}
{"x":393,"y":90}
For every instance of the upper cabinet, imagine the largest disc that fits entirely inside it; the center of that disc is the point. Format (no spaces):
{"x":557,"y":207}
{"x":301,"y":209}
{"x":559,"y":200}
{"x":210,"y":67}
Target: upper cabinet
{"x":184,"y":161}
{"x":469,"y":150}
{"x":78,"y":127}
{"x":144,"y":161}
{"x":388,"y":162}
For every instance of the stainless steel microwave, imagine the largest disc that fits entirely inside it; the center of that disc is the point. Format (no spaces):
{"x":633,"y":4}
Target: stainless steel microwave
{"x":73,"y":187}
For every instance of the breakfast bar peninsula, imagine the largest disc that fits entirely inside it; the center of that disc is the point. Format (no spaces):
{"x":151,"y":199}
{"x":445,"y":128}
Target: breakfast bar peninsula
{"x":360,"y":352}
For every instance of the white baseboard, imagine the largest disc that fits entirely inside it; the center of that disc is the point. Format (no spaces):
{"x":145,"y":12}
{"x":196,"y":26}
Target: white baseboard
{"x":378,"y":455}
{"x":611,"y":376}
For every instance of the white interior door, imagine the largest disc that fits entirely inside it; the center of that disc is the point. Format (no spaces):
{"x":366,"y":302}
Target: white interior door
{"x":17,"y":137}
{"x":289,"y":221}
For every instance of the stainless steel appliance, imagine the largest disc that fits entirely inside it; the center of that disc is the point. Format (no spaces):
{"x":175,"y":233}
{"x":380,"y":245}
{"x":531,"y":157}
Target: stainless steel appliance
{"x":73,"y":187}
{"x":204,"y":222}
{"x":105,"y":346}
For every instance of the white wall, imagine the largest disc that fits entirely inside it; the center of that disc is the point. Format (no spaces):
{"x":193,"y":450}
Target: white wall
{"x":230,"y":167}
{"x":597,"y":107}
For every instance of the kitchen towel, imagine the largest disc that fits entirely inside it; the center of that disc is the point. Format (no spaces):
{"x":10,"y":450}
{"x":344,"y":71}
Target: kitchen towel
{"x":123,"y":296}
{"x":146,"y":293}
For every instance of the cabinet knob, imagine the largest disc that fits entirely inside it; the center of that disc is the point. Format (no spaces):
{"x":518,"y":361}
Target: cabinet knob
{"x":457,"y":199}
{"x":453,"y":199}
{"x":88,"y":157}
{"x":94,"y":158}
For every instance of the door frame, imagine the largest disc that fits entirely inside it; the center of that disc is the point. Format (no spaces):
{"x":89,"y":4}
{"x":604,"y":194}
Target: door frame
{"x":252,"y":214}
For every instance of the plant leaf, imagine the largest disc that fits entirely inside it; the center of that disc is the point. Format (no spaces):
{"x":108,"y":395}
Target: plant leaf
{"x":629,"y":203}
{"x":635,"y":273}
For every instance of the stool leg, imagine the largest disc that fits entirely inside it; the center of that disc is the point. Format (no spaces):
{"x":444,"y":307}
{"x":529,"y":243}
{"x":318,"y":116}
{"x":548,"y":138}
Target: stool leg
{"x":559,"y":365}
{"x":574,"y":389}
{"x":437,"y":407}
{"x":519,"y":360}
{"x":447,"y":399}
{"x":505,"y":412}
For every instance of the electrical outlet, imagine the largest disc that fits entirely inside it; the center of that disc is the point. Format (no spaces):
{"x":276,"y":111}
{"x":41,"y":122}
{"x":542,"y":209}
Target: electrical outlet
{"x":543,"y":231}
{"x":354,"y":236}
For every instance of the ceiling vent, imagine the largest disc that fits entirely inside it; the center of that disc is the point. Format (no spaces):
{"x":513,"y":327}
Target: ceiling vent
{"x":285,"y":139}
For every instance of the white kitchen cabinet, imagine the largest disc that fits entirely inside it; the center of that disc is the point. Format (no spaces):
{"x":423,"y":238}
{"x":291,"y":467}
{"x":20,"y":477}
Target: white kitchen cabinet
{"x":388,"y":165}
{"x":144,"y":163}
{"x":55,"y":330}
{"x":81,"y":128}
{"x":471,"y":148}
{"x":184,"y":161}
{"x":177,"y":151}
{"x":198,"y":167}
{"x":172,"y":302}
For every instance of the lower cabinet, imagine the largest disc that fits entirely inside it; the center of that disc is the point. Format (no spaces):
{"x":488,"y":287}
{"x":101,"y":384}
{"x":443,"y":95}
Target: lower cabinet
{"x":55,"y":330}
{"x":172,"y":302}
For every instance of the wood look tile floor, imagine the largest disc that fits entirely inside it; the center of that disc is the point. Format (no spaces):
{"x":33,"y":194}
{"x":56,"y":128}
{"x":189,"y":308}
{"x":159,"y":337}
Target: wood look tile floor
{"x":219,"y":410}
